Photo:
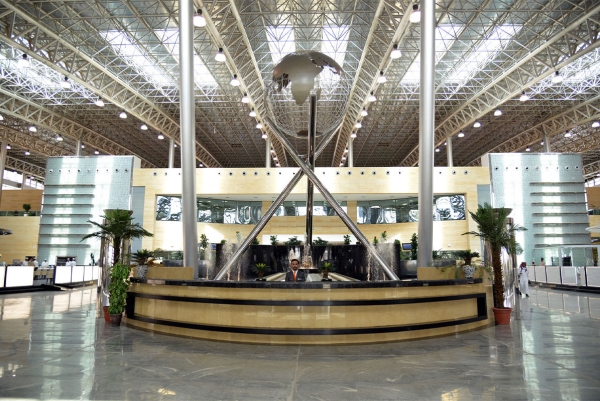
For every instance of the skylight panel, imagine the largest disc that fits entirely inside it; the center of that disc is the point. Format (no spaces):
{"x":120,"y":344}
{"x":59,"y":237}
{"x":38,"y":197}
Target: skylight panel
{"x":137,"y":58}
{"x":335,"y":41}
{"x":281,"y":41}
{"x":445,"y":36}
{"x":486,"y":51}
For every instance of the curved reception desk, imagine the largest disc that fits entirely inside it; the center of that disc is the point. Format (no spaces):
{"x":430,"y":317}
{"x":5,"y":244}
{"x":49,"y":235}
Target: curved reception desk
{"x":308,"y":313}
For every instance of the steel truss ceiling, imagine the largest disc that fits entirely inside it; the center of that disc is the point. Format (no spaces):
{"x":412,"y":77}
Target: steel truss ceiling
{"x":126,"y":53}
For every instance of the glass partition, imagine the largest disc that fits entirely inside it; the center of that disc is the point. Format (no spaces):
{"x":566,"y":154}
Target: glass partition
{"x":405,"y":210}
{"x":168,"y":208}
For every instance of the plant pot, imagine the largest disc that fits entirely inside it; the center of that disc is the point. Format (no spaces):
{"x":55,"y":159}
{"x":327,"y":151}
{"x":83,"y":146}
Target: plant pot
{"x":115,"y":319}
{"x":502,"y":315}
{"x":106,"y":315}
{"x":469,"y":271}
{"x":142,"y":270}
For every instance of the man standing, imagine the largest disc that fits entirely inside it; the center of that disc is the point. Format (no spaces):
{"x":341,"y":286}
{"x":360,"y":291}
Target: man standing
{"x":45,"y":264}
{"x":295,"y":275}
{"x":524,"y":279}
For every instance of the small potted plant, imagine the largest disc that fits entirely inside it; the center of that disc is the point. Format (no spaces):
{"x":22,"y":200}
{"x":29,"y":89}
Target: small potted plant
{"x":142,"y":257}
{"x":273,"y":239}
{"x":384,"y":237}
{"x":260,"y":269}
{"x":346,"y":239}
{"x":375,"y":241}
{"x":325,"y":268}
{"x":467,"y":256}
{"x":119,"y":284}
{"x":27,"y":208}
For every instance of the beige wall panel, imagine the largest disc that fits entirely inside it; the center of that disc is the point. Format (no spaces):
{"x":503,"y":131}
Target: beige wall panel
{"x":24,"y":239}
{"x":594,"y":221}
{"x":14,"y":199}
{"x":593,"y":197}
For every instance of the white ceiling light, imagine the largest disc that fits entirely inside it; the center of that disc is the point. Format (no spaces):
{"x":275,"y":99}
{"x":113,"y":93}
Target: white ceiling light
{"x":568,"y":135}
{"x":364,"y":112}
{"x":235,"y":81}
{"x":437,"y":150}
{"x":557,"y":78}
{"x":372,"y":97}
{"x":345,"y":150}
{"x":595,"y":124}
{"x":144,"y":127}
{"x":344,"y":158}
{"x":65,"y":84}
{"x":96,"y":152}
{"x":259,"y":125}
{"x":415,"y":16}
{"x":8,"y":146}
{"x":381,"y":79}
{"x":396,"y":53}
{"x":277,"y":164}
{"x":23,"y":62}
{"x":498,"y":112}
{"x":27,"y":153}
{"x":32,"y":129}
{"x":353,"y":135}
{"x":99,"y":102}
{"x":527,"y":149}
{"x":198,"y":19}
{"x":542,"y":143}
{"x":220,"y":56}
{"x":461,"y":134}
{"x":524,"y":97}
{"x":174,"y":145}
{"x":358,"y":125}
{"x":59,"y":138}
{"x":123,"y":114}
{"x":161,"y":136}
{"x":252,"y":113}
{"x":245,"y":98}
{"x":477,"y":124}
{"x":1,"y":118}
{"x":200,"y":165}
{"x":264,"y":135}
{"x":82,"y":146}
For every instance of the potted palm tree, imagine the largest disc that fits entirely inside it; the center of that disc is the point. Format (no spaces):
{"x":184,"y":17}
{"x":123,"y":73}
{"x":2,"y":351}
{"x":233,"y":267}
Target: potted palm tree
{"x":467,"y":256}
{"x":499,"y":235}
{"x":119,"y":284}
{"x":142,"y":257}
{"x":260,"y":269}
{"x":325,"y":268}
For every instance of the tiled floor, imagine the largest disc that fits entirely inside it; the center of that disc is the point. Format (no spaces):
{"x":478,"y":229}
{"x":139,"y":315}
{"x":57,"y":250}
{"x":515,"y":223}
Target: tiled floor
{"x":52,"y":346}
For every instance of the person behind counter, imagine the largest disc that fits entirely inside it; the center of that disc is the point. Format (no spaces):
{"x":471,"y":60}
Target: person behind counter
{"x":295,"y":275}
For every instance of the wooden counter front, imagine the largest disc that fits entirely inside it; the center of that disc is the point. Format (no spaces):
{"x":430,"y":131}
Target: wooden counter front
{"x":308,"y":313}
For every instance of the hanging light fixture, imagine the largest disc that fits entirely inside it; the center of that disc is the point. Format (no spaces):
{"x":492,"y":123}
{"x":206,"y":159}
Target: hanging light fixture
{"x":527,"y":149}
{"x":144,"y":127}
{"x":358,"y":125}
{"x":96,"y":152}
{"x":32,"y":129}
{"x":235,"y":81}
{"x":344,"y":158}
{"x":595,"y":124}
{"x":568,"y":135}
{"x":99,"y":102}
{"x":220,"y":56}
{"x":381,"y":79}
{"x":353,"y":135}
{"x":198,"y":19}
{"x":252,"y":113}
{"x":477,"y":124}
{"x":437,"y":150}
{"x":415,"y":16}
{"x":27,"y":153}
{"x":372,"y":97}
{"x":23,"y":62}
{"x":259,"y":125}
{"x":461,"y":134}
{"x":345,"y":150}
{"x":557,"y":78}
{"x":161,"y":136}
{"x":264,"y":135}
{"x":123,"y":114}
{"x":498,"y":112}
{"x":65,"y":84}
{"x":200,"y":164}
{"x":524,"y":97}
{"x":82,"y":146}
{"x":364,"y":112}
{"x":174,"y":145}
{"x":274,"y":157}
{"x":59,"y":138}
{"x":1,"y":118}
{"x":8,"y":146}
{"x":396,"y":53}
{"x":245,"y":98}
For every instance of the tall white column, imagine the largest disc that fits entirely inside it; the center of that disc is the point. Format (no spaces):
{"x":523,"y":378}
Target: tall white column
{"x":188,"y":142}
{"x":268,"y":153}
{"x":2,"y":165}
{"x":351,"y":152}
{"x":78,"y":147}
{"x":546,"y":143}
{"x":449,"y":152}
{"x":171,"y":152}
{"x":23,"y":180}
{"x":426,"y":133}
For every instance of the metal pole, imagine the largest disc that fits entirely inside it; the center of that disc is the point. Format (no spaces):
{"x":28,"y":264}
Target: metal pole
{"x":351,"y":152}
{"x":310,"y":189}
{"x":426,"y":133}
{"x":449,"y":152}
{"x":546,"y":143}
{"x":260,"y":225}
{"x":23,"y":180}
{"x":171,"y":152}
{"x":2,"y":165}
{"x":331,"y":200}
{"x":188,"y":142}
{"x":78,"y":148}
{"x":268,"y":153}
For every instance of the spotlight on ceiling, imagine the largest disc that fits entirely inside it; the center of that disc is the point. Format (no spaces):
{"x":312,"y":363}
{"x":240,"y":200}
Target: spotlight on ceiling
{"x":557,"y":78}
{"x":99,"y":102}
{"x":123,"y":114}
{"x":364,"y":112}
{"x":477,"y":124}
{"x":381,"y":79}
{"x":524,"y":97}
{"x":65,"y":84}
{"x":498,"y":112}
{"x":415,"y":16}
{"x":220,"y":56}
{"x":235,"y":81}
{"x":396,"y":53}
{"x":252,"y":113}
{"x":372,"y":97}
{"x":198,"y":19}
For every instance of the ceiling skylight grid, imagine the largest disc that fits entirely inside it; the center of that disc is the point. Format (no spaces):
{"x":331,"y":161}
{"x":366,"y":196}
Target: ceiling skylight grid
{"x":281,"y":41}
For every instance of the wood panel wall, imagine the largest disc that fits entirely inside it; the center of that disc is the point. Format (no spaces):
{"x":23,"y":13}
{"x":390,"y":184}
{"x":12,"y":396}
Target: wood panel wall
{"x":12,"y":200}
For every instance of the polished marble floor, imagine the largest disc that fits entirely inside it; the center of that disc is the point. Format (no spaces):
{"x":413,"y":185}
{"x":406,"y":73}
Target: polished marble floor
{"x":52,"y":346}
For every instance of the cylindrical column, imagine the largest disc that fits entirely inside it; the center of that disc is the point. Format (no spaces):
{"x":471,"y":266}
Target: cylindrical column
{"x":449,"y":152}
{"x":23,"y":180}
{"x":426,"y":133}
{"x":268,"y":153}
{"x":2,"y":165}
{"x":78,"y":147}
{"x":310,"y":190}
{"x":546,"y":143}
{"x":188,"y":140}
{"x":171,"y":152}
{"x":351,"y":152}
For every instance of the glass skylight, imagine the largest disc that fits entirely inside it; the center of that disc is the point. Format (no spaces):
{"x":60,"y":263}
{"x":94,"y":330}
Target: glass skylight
{"x":445,"y":36}
{"x":486,"y":51}
{"x":281,"y":41}
{"x":335,"y":41}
